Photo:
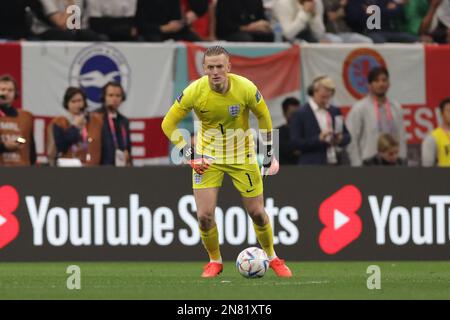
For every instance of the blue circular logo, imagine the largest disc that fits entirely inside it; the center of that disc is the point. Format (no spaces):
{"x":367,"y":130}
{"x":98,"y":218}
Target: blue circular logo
{"x":95,"y":66}
{"x":356,"y":67}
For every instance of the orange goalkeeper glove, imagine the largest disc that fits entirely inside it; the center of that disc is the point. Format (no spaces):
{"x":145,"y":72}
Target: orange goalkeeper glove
{"x":200,"y":163}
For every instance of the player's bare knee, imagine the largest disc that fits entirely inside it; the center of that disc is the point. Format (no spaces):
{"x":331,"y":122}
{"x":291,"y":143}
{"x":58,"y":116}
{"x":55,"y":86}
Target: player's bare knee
{"x":206,"y":222}
{"x":258,"y":216}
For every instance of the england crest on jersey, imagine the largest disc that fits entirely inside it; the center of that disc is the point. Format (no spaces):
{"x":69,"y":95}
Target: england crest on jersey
{"x":197,"y":178}
{"x":234,"y":110}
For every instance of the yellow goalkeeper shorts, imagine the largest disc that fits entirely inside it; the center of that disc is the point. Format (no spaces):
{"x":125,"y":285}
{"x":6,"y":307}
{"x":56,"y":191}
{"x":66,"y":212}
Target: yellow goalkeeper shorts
{"x":246,"y":178}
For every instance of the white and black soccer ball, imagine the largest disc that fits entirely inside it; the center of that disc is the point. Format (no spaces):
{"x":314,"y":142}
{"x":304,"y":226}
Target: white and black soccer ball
{"x":252,"y":263}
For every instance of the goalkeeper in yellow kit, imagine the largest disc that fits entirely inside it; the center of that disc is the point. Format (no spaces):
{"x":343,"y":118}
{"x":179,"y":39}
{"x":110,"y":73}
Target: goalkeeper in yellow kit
{"x":222,"y":101}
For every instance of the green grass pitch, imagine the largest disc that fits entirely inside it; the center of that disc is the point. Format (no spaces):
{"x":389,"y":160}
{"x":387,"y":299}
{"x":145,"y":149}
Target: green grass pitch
{"x":181,"y":280}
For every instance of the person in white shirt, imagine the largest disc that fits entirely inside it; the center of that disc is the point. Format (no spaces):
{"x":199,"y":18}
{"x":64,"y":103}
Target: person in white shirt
{"x":303,"y":20}
{"x":300,"y":19}
{"x":373,"y":115}
{"x":440,"y":24}
{"x":113,"y":18}
{"x":50,"y":17}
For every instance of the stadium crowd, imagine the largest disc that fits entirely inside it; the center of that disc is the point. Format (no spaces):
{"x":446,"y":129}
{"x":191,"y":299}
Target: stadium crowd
{"x":373,"y":132}
{"x":329,"y":21}
{"x":76,"y":138}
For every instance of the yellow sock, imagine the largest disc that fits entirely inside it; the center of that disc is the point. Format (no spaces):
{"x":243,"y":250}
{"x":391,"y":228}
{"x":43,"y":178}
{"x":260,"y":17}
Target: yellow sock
{"x":210,"y":240}
{"x":265,"y":239}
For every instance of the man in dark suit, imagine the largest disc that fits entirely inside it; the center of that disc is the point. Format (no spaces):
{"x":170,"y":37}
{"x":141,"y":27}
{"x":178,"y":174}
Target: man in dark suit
{"x":287,"y":153}
{"x":318,"y":130}
{"x":116,"y":144}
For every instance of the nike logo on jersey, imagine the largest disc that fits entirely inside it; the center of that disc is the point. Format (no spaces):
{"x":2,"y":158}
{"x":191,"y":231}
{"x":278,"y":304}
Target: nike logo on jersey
{"x":204,"y":111}
{"x":248,"y":191}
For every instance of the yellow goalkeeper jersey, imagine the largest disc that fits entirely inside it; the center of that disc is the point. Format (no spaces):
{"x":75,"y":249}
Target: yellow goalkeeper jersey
{"x":224,"y":132}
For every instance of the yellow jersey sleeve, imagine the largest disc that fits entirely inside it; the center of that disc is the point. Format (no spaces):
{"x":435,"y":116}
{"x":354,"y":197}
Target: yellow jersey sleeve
{"x":180,"y":109}
{"x":259,"y":108}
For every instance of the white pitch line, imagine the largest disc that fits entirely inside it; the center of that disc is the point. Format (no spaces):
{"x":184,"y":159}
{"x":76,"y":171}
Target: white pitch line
{"x":315,"y":282}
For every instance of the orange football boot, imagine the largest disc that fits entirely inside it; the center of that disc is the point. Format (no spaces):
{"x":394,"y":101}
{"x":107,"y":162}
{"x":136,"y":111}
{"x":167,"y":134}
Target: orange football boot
{"x":212,"y":269}
{"x":280,"y":268}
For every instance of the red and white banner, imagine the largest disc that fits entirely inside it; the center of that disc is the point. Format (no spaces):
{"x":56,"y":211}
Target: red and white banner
{"x":348,"y":66}
{"x":277,"y":76}
{"x":10,"y":64}
{"x":437,"y":60}
{"x":144,"y":70}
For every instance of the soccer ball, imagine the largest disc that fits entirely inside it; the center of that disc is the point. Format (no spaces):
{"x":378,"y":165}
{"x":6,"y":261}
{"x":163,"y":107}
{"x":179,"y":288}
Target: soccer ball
{"x":252,"y":263}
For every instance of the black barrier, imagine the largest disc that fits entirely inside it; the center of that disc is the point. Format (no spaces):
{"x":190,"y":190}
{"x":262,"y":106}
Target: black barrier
{"x":148,"y":214}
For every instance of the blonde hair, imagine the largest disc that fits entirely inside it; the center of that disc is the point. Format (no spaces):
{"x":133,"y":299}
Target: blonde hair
{"x":325,"y":82}
{"x":386,"y":142}
{"x":321,"y":81}
{"x":215,"y":51}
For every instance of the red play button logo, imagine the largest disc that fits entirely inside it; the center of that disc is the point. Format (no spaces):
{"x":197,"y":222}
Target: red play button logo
{"x":339,"y":215}
{"x":9,"y":226}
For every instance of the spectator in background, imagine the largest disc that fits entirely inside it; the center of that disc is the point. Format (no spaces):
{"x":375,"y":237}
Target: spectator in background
{"x":336,"y":26}
{"x":287,"y":153}
{"x":374,"y":115}
{"x":76,"y":135}
{"x":50,"y":21}
{"x":14,"y":24}
{"x":436,"y":145}
{"x":317,"y":129}
{"x":243,"y":21}
{"x":204,"y":25}
{"x":113,"y":18}
{"x":17,"y":146}
{"x":388,"y":149}
{"x":437,"y":21}
{"x":390,"y":12}
{"x":116,"y":145}
{"x":160,"y":20}
{"x":301,"y":19}
{"x":414,"y":13}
